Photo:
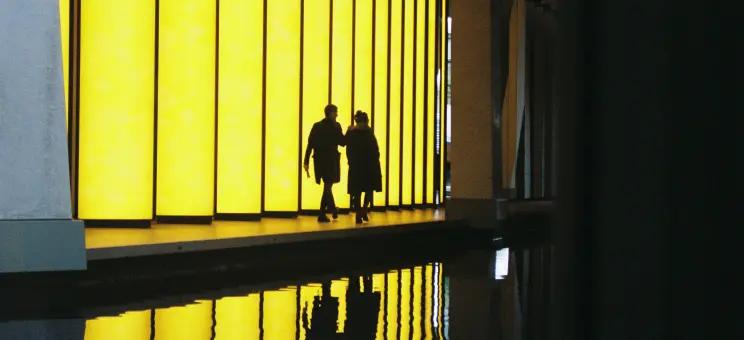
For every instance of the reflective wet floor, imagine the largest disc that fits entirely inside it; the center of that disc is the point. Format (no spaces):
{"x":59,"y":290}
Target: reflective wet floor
{"x":483,"y":293}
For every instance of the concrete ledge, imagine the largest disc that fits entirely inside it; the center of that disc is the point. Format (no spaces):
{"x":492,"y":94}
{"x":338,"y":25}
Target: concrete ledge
{"x":41,"y":245}
{"x":478,"y":213}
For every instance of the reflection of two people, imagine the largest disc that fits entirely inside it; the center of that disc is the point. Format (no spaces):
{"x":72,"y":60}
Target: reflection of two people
{"x":362,"y":309}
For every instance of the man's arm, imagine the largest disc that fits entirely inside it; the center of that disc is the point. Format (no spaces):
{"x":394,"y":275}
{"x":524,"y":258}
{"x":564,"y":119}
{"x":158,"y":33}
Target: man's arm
{"x":310,"y":146}
{"x":341,"y":136}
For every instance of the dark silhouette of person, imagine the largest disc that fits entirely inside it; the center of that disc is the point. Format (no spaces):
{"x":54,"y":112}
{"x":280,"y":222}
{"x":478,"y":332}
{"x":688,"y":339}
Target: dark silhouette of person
{"x":325,"y":316}
{"x":363,"y":154}
{"x":362,"y":309}
{"x":323,"y":142}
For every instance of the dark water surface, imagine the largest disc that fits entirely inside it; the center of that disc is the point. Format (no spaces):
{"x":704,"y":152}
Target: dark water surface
{"x":485,"y":293}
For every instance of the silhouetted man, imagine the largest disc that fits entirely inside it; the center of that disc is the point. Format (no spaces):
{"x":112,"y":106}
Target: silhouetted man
{"x":325,"y":137}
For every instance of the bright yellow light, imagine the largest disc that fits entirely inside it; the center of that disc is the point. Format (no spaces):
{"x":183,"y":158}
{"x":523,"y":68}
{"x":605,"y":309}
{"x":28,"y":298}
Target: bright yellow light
{"x":237,"y":317}
{"x":431,"y":102}
{"x":363,"y":57}
{"x":315,"y":85}
{"x":378,"y":285}
{"x":417,"y":296}
{"x":282,"y":163}
{"x":381,"y":85}
{"x":341,"y":93}
{"x":408,"y":104}
{"x":280,"y":307}
{"x":307,"y":296}
{"x":393,"y":305}
{"x":420,"y":162}
{"x":128,"y":326}
{"x":395,"y":102}
{"x":116,"y":109}
{"x":240,"y":104}
{"x":185,"y":172}
{"x":190,"y":322}
{"x":64,"y":32}
{"x":428,"y":302}
{"x":405,"y":304}
{"x":338,"y":290}
{"x":443,"y":96}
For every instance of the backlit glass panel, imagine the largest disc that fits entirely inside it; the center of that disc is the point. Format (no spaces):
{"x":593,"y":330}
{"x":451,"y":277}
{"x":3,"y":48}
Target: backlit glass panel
{"x":127,"y":326}
{"x":420,"y":161}
{"x":408,"y":103}
{"x":381,"y":85}
{"x":343,"y":15}
{"x":394,"y":174}
{"x":190,"y":322}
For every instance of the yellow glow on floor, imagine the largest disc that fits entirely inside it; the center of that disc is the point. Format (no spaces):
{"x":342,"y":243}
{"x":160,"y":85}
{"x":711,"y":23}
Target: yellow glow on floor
{"x":381,"y":85}
{"x":420,"y":115}
{"x":396,"y":62}
{"x":282,"y":163}
{"x":240,"y":116}
{"x":190,"y":322}
{"x":116,"y":110}
{"x":133,"y":325}
{"x":408,"y":104}
{"x":279,"y":311}
{"x":186,"y":110}
{"x":343,"y":16}
{"x":315,"y":87}
{"x":237,"y":318}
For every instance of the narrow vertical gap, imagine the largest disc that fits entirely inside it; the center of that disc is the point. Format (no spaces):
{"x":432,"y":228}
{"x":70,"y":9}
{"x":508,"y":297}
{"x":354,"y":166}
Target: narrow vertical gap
{"x":75,"y":112}
{"x":387,"y":106}
{"x":261,"y":301}
{"x":301,"y":96}
{"x":152,"y":324}
{"x":155,"y":112}
{"x":297,"y":311}
{"x":213,"y":329}
{"x":216,"y":103}
{"x":414,"y":80}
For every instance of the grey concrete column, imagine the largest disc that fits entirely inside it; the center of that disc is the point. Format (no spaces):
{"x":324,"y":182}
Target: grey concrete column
{"x":36,"y":229}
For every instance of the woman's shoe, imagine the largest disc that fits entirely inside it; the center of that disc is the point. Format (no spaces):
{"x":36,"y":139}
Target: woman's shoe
{"x":335,"y":213}
{"x":365,"y":216}
{"x":359,"y":218}
{"x":322,"y":218}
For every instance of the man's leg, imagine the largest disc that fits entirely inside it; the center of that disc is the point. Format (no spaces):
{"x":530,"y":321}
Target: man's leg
{"x":324,"y":204}
{"x":330,"y":202}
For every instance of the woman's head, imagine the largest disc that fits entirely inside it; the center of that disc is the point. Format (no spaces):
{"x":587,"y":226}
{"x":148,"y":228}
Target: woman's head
{"x":361,"y":117}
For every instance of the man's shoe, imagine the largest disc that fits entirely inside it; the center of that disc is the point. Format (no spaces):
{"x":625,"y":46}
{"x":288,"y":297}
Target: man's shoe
{"x":359,"y":219}
{"x":335,"y":213}
{"x":323,"y":219}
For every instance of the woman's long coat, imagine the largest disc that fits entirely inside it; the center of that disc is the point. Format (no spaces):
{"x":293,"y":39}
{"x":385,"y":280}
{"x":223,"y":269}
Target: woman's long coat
{"x":364,"y":160}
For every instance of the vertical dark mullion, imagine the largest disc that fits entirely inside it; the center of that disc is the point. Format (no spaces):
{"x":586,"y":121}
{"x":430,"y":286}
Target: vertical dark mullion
{"x":213,"y":329}
{"x":387,"y":107}
{"x":353,"y":58}
{"x":374,"y":61}
{"x":411,"y":293}
{"x":425,"y":186}
{"x":155,"y":112}
{"x":263,"y":121}
{"x":385,"y":304}
{"x":402,"y":102}
{"x":330,"y":53}
{"x":438,"y":99}
{"x":216,"y":102}
{"x":152,"y":324}
{"x":300,"y":108}
{"x":298,"y":301}
{"x":261,"y":294}
{"x":74,"y":75}
{"x":413,"y":102}
{"x":445,"y":89}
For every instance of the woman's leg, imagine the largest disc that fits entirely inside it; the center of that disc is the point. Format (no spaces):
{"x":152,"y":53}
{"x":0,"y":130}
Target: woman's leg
{"x":356,"y":198}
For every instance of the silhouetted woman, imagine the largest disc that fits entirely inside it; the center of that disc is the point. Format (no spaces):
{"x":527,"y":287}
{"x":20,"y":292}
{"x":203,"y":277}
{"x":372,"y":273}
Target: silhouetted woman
{"x":364,"y":165}
{"x":323,"y":142}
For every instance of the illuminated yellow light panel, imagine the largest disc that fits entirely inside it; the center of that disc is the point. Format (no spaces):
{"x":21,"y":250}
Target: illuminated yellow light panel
{"x":443,"y":96}
{"x":394,"y":175}
{"x":428,"y":302}
{"x":282,"y":163}
{"x":279,"y":310}
{"x":431,"y":100}
{"x":239,"y":105}
{"x":408,"y":104}
{"x":343,"y":11}
{"x":190,"y":322}
{"x":393,"y":301}
{"x":64,"y":32}
{"x":420,"y":161}
{"x":186,"y":110}
{"x":116,"y":109}
{"x":381,"y":85}
{"x":237,"y":317}
{"x":405,"y":304}
{"x":307,"y":296}
{"x":416,"y":282}
{"x":363,"y":57}
{"x":338,"y":290}
{"x":128,"y":326}
{"x":315,"y":85}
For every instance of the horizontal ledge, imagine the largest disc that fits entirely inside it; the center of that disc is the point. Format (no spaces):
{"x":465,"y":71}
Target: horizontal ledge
{"x":185,"y":219}
{"x":117,"y":223}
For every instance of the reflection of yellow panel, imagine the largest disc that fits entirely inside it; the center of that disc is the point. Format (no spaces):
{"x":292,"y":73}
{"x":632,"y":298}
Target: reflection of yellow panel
{"x":439,"y":305}
{"x":442,"y":95}
{"x":408,"y":74}
{"x":378,"y":285}
{"x":417,"y":300}
{"x":237,"y":317}
{"x":428,"y":297}
{"x":128,"y":326}
{"x":239,"y":103}
{"x":363,"y":57}
{"x":307,"y":296}
{"x":395,"y":101}
{"x":282,"y":164}
{"x":116,"y":109}
{"x":393,"y":305}
{"x":341,"y":93}
{"x":64,"y":31}
{"x":338,"y":290}
{"x":186,"y":67}
{"x":315,"y":85}
{"x":280,"y":319}
{"x":420,"y":70}
{"x":431,"y":101}
{"x":190,"y":322}
{"x":405,"y":304}
{"x":380,"y":77}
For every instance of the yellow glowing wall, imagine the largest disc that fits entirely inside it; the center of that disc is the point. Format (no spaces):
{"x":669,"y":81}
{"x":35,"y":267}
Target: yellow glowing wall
{"x":430,"y":100}
{"x":190,"y":322}
{"x":408,"y":103}
{"x":237,"y":317}
{"x":428,"y":303}
{"x":315,"y":85}
{"x":442,"y":94}
{"x":128,"y":326}
{"x":419,"y":116}
{"x":239,"y":106}
{"x":342,"y":36}
{"x":186,"y":110}
{"x":405,"y":304}
{"x":394,"y":174}
{"x":279,"y":308}
{"x":116,"y":110}
{"x":363,"y":57}
{"x":64,"y":32}
{"x":282,"y":163}
{"x":380,"y":88}
{"x":393,"y":304}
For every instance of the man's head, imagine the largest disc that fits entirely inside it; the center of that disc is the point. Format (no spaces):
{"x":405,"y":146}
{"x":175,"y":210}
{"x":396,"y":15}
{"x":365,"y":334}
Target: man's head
{"x":331,"y":112}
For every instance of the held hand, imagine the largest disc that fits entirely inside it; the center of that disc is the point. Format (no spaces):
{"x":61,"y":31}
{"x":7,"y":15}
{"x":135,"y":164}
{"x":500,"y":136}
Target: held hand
{"x":306,"y":167}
